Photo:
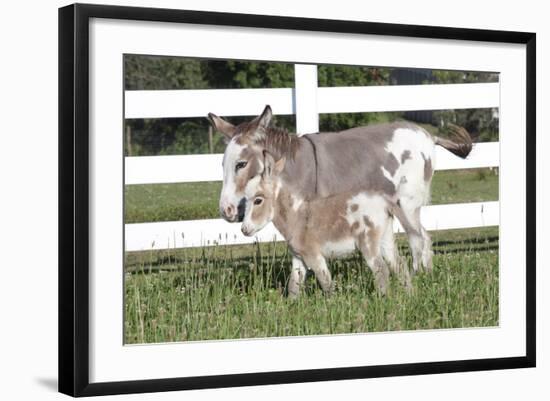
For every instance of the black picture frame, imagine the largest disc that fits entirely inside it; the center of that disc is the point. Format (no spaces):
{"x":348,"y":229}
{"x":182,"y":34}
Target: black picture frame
{"x":74,"y":204}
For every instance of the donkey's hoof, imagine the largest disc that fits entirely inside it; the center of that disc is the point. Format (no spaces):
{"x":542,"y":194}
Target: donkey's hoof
{"x":428,"y":268}
{"x":293,"y":293}
{"x":331,"y":290}
{"x":408,"y":287}
{"x":381,"y":287}
{"x":382,"y":278}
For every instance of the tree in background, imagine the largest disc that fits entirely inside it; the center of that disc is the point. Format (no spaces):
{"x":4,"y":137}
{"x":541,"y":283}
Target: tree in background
{"x":190,"y":135}
{"x":165,"y":136}
{"x":343,"y":75}
{"x":482,"y":124}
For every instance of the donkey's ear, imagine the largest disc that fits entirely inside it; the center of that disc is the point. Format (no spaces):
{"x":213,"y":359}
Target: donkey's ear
{"x":220,"y":125}
{"x":258,"y":126}
{"x":265,"y":118}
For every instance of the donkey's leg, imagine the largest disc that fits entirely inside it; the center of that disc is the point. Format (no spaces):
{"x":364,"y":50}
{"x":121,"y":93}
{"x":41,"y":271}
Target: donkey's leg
{"x":427,"y":253}
{"x":388,"y":248}
{"x":408,"y":214}
{"x":369,"y":243}
{"x":318,"y":264}
{"x":392,"y":257}
{"x":405,"y":213}
{"x":297,"y":277}
{"x":413,"y":193}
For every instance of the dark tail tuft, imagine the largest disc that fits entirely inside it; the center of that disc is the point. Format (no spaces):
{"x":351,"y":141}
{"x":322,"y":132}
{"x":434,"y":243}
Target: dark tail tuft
{"x":461,"y":143}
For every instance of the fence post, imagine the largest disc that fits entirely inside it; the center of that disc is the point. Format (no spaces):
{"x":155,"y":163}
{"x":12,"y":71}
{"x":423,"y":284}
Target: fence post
{"x":210,"y":140}
{"x":305,"y":98}
{"x":129,"y":140}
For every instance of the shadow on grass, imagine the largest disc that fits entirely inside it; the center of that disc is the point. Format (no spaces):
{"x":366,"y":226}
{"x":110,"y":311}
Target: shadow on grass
{"x":484,"y":240}
{"x":171,"y":260}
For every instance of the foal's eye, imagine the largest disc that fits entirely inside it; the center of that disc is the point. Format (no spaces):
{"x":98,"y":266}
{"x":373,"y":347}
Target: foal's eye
{"x":258,"y":201}
{"x":240,"y":165}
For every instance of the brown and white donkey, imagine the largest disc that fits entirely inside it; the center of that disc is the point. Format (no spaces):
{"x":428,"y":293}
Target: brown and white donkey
{"x":321,"y":228}
{"x":347,"y":186}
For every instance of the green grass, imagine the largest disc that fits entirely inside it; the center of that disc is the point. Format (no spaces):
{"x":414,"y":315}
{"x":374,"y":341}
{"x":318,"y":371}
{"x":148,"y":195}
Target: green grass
{"x":228,"y":292}
{"x":165,"y":202}
{"x":459,"y":186}
{"x":199,"y":200}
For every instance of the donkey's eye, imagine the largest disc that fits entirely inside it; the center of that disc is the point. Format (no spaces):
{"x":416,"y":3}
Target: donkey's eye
{"x":240,"y":165}
{"x":258,"y":201}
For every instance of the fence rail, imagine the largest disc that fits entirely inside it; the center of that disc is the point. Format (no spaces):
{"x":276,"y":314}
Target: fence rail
{"x":192,"y":233}
{"x":354,"y":99}
{"x":306,"y":101}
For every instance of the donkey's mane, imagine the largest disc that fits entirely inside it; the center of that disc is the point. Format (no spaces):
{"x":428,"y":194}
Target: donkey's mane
{"x":280,"y":142}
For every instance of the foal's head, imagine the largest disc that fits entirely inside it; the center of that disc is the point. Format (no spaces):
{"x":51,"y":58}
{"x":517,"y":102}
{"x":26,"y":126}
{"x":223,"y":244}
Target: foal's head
{"x":261,"y":196}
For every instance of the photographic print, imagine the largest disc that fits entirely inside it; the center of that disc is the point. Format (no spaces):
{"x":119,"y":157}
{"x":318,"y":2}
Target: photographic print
{"x":253,"y":199}
{"x":353,"y":222}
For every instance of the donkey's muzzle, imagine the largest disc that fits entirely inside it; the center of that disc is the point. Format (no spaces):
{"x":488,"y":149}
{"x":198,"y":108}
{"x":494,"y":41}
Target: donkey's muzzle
{"x":232,"y":213}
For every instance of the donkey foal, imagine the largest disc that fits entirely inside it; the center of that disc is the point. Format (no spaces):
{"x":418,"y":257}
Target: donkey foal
{"x":324,"y":227}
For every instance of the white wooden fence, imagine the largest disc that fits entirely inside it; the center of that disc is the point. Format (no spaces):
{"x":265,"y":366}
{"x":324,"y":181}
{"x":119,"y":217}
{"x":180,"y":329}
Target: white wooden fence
{"x":306,"y":101}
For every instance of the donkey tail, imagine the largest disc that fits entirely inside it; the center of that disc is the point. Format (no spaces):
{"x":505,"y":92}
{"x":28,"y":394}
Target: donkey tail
{"x":460,"y":144}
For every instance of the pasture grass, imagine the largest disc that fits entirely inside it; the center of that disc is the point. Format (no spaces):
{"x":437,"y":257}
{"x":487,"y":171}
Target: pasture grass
{"x":199,"y":200}
{"x":231,"y":292}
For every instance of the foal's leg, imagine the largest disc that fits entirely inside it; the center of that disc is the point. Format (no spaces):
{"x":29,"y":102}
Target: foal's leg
{"x":391,"y":254}
{"x":297,"y":277}
{"x":318,"y":264}
{"x":369,"y":244}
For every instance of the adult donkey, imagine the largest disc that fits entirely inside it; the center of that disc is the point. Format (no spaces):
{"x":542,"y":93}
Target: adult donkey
{"x":394,"y":159}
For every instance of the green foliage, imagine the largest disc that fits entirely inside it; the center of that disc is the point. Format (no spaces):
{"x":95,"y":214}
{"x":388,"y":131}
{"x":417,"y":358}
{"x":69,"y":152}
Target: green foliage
{"x":172,"y":136}
{"x":190,"y":135}
{"x":347,"y":75}
{"x":463,"y":77}
{"x":155,"y":72}
{"x":482,"y":124}
{"x":247,"y":74}
{"x":341,"y":121}
{"x":343,"y":75}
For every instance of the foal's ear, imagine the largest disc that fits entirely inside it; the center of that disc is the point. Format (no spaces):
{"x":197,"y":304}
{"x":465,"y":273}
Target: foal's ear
{"x":269,"y":164}
{"x":220,"y":125}
{"x":280,"y":165}
{"x":272,"y":167}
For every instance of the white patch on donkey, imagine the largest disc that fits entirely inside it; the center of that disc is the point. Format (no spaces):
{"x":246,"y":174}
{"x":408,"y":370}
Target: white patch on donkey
{"x":412,"y":149}
{"x":371,"y":206}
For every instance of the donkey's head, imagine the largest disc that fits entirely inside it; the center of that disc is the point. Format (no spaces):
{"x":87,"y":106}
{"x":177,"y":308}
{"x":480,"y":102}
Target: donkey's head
{"x":260,"y":198}
{"x":243,"y":161}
